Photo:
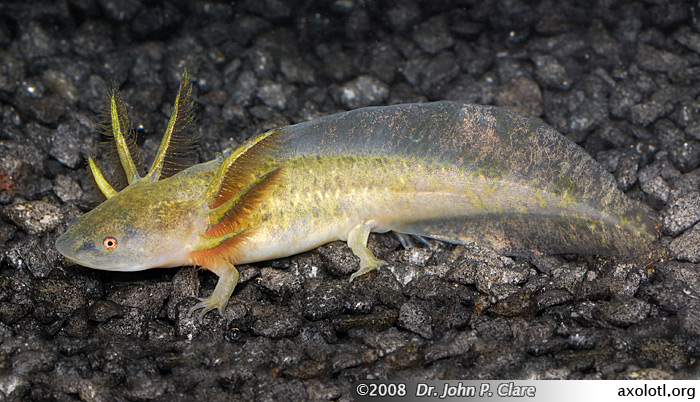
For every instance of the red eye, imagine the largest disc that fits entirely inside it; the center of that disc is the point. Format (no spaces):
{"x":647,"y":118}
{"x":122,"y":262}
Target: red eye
{"x":110,"y":243}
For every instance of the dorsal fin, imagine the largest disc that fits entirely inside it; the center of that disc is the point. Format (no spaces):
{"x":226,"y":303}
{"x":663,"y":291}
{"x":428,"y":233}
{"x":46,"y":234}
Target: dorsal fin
{"x":245,"y":165}
{"x":177,"y":149}
{"x":232,"y":215}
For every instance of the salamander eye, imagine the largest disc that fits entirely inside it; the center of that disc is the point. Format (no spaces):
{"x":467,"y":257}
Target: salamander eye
{"x":110,"y":243}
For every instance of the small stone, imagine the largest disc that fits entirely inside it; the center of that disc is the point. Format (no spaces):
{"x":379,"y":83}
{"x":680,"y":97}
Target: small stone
{"x":623,"y":312}
{"x":243,"y":89}
{"x":657,"y":189}
{"x":648,"y":112}
{"x":652,"y":59}
{"x":272,"y":94}
{"x":33,"y":361}
{"x":553,"y":297}
{"x":132,"y":324}
{"x":297,"y":71}
{"x":161,"y":17}
{"x":274,"y":321}
{"x":627,"y":168}
{"x":523,"y":96}
{"x":104,"y":310}
{"x":34,"y":217}
{"x":378,"y":319}
{"x":63,"y":297}
{"x":280,"y":284}
{"x":384,"y":61}
{"x":452,"y":345}
{"x":550,"y":73}
{"x":11,"y":72}
{"x":686,"y":247}
{"x":688,"y":38}
{"x":38,"y":254}
{"x":414,"y":316}
{"x":323,"y":299}
{"x":67,"y":144}
{"x":270,"y":9}
{"x":363,"y":91}
{"x":690,"y":321}
{"x":66,"y":188}
{"x":520,"y":303}
{"x":587,"y":116}
{"x":120,"y":10}
{"x":432,"y":35}
{"x":35,"y":41}
{"x":622,"y":99}
{"x":148,"y":297}
{"x":685,"y":155}
{"x":403,"y":15}
{"x":438,"y":72}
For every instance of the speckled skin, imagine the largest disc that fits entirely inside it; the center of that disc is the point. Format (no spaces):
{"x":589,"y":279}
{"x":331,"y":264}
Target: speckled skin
{"x":445,"y":170}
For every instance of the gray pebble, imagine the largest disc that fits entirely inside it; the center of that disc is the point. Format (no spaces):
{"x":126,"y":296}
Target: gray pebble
{"x":281,"y":284}
{"x":120,"y":10}
{"x":685,"y":155}
{"x":384,"y":62}
{"x":132,"y":324}
{"x":657,"y":188}
{"x":274,"y":322}
{"x":33,"y":361}
{"x":690,"y":320}
{"x":432,"y":35}
{"x":244,"y":88}
{"x":521,"y":95}
{"x":681,"y":214}
{"x":622,"y":99}
{"x":688,"y":38}
{"x":438,"y":72}
{"x":415,"y":317}
{"x":297,"y":71}
{"x":553,"y":297}
{"x":550,"y":73}
{"x":626,"y":173}
{"x":62,"y":296}
{"x":148,"y":297}
{"x":323,"y":299}
{"x":273,"y":94}
{"x":452,"y":344}
{"x":388,"y":341}
{"x":34,"y":217}
{"x":35,"y":253}
{"x":686,"y":247}
{"x":403,"y":15}
{"x":656,"y":60}
{"x":647,"y":112}
{"x":66,"y":188}
{"x":363,"y":91}
{"x":521,"y":303}
{"x":104,"y":310}
{"x":158,"y":18}
{"x":271,"y":9}
{"x":35,"y":41}
{"x":67,"y":144}
{"x":623,"y":312}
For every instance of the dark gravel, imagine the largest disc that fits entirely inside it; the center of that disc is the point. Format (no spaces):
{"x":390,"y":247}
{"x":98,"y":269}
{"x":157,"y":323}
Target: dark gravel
{"x":620,"y":78}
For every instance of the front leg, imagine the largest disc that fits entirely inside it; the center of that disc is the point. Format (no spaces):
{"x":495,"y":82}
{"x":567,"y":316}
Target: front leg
{"x":357,"y":240}
{"x":228,"y":278}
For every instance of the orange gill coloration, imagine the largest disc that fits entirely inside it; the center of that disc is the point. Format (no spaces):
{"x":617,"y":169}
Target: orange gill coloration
{"x":450,"y":171}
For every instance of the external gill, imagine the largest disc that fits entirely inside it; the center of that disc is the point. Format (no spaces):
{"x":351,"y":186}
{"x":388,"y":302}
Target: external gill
{"x":172,"y":145}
